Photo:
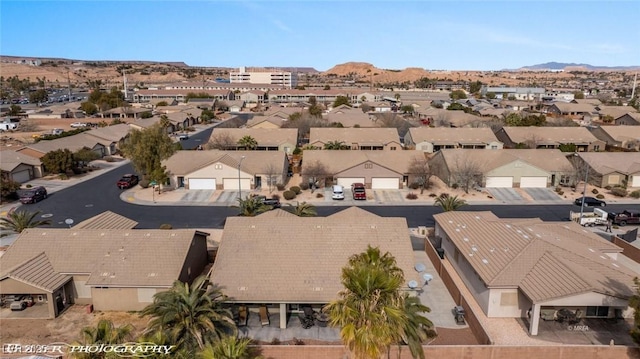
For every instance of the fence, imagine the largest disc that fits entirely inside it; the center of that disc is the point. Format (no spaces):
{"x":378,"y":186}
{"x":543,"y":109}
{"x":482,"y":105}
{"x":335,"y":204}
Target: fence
{"x":627,"y":249}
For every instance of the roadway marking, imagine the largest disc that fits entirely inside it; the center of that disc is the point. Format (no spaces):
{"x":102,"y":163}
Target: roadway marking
{"x":47,"y":215}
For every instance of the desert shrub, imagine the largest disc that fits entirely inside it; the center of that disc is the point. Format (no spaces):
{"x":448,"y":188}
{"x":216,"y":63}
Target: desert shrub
{"x":297,"y":151}
{"x":144,"y":183}
{"x":288,"y":195}
{"x":558,"y":189}
{"x":76,"y":170}
{"x":63,"y":176}
{"x":295,"y":189}
{"x":433,"y":195}
{"x":28,"y":186}
{"x":608,"y":188}
{"x":411,"y":195}
{"x":109,"y":159}
{"x":414,"y":185}
{"x":166,"y":226}
{"x":275,"y":196}
{"x":454,"y":186}
{"x":635,"y":194}
{"x":304,"y":186}
{"x":619,"y":192}
{"x":275,"y":341}
{"x":444,"y":195}
{"x":561,"y":192}
{"x":280,"y":187}
{"x":297,"y":341}
{"x":600,"y":196}
{"x":594,"y":191}
{"x":319,"y":195}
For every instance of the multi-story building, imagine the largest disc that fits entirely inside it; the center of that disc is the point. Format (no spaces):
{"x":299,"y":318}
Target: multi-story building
{"x":286,"y":79}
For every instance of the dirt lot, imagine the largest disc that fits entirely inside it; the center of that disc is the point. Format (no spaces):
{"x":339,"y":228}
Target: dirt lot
{"x":15,"y":139}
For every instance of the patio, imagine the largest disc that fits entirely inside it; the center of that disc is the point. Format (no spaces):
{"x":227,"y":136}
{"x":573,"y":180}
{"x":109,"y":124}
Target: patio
{"x":272,"y":332}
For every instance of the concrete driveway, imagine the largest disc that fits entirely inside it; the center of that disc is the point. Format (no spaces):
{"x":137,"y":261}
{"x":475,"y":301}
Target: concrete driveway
{"x":506,"y":195}
{"x":387,"y":196}
{"x":543,"y":194}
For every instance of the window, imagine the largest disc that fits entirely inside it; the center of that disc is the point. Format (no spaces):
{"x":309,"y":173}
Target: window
{"x":218,"y":166}
{"x":596,"y":148}
{"x":597,"y":311}
{"x":494,"y":147}
{"x":368,"y":166}
{"x":393,"y":148}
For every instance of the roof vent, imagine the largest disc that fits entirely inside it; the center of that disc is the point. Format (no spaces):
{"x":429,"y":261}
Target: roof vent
{"x":492,"y":250}
{"x":108,"y":254}
{"x":318,"y":226}
{"x":104,"y":274}
{"x":121,"y":249}
{"x":152,"y":274}
{"x":485,"y":261}
{"x":317,"y":289}
{"x":373,"y":226}
{"x":253,"y":226}
{"x":508,"y":225}
{"x":173,"y":234}
{"x":148,"y":234}
{"x":102,"y":234}
{"x":477,"y":217}
{"x":615,"y":265}
{"x":457,"y":229}
{"x":242,"y":288}
{"x":591,"y":250}
{"x":44,"y":233}
{"x":126,"y":234}
{"x":465,"y":239}
{"x":450,"y":221}
{"x":603,"y":257}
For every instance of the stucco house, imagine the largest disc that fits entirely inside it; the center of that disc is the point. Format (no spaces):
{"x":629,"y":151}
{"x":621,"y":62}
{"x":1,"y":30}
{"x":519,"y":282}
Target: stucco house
{"x":310,"y":275}
{"x":19,"y":167}
{"x":376,"y":169}
{"x":572,"y":110}
{"x":432,"y":140}
{"x":226,"y":170}
{"x":72,"y":143}
{"x":519,"y":268}
{"x":630,"y":119}
{"x":270,"y":122}
{"x":610,"y":168}
{"x":626,"y":137}
{"x":505,"y":168}
{"x":112,"y":269}
{"x":356,"y":138}
{"x":549,"y":137}
{"x":280,"y":139}
{"x":350,"y":117}
{"x":111,"y":137}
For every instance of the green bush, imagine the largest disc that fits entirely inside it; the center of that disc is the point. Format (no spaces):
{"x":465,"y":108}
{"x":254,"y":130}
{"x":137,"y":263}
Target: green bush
{"x":600,"y":196}
{"x":607,"y":188}
{"x":288,"y":195}
{"x":28,"y":186}
{"x":304,"y":186}
{"x":295,"y":189}
{"x":454,"y":186}
{"x":619,"y":192}
{"x":275,"y":196}
{"x":280,"y":187}
{"x":297,"y":151}
{"x":63,"y":176}
{"x":635,"y":194}
{"x":144,"y":183}
{"x":411,"y":195}
{"x":594,"y":191}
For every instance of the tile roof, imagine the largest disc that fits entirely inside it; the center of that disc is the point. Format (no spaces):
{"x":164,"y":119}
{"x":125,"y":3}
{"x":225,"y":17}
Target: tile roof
{"x":107,"y":220}
{"x":185,"y":162}
{"x":266,"y":259}
{"x":551,"y":160}
{"x":351,"y":118}
{"x":565,"y":107}
{"x":452,"y":135}
{"x":608,"y":162}
{"x":9,"y":160}
{"x":255,"y":120}
{"x":72,"y":143}
{"x":615,"y":111}
{"x":264,"y":136}
{"x":39,"y":273}
{"x":546,"y":260}
{"x":622,"y":133}
{"x":337,"y":161}
{"x":113,"y":133}
{"x":361,"y":136}
{"x":550,"y":135}
{"x":117,"y":257}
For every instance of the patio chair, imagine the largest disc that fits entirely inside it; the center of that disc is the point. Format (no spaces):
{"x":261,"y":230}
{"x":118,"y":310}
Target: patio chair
{"x":243,"y":316}
{"x":264,"y":316}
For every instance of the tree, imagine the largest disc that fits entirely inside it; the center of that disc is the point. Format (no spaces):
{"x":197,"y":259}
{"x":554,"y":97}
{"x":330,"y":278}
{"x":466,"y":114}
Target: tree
{"x":271,"y":171}
{"x":14,"y":110}
{"x":634,"y":302}
{"x":221,"y":141}
{"x":38,"y":96}
{"x":229,"y":347}
{"x":248,"y":143}
{"x":407,"y":109}
{"x":457,"y":95}
{"x":105,"y":332}
{"x":191,"y":316}
{"x":335,"y":145}
{"x":449,"y":203}
{"x":58,"y":161}
{"x":418,"y":328}
{"x":8,"y":187}
{"x":326,"y":87}
{"x":397,"y":96}
{"x":341,"y":100}
{"x":251,"y":206}
{"x":84,"y":156}
{"x":490,"y":95}
{"x":314,"y":174}
{"x":147,"y":149}
{"x":466,"y":172}
{"x":305,"y":209}
{"x":578,"y":95}
{"x":421,"y":172}
{"x":18,"y":221}
{"x":475,"y":87}
{"x":89,"y":108}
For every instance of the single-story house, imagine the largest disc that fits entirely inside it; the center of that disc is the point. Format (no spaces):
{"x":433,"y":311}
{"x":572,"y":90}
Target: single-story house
{"x":282,"y":112}
{"x":375,"y":169}
{"x":270,"y":122}
{"x":350,"y":117}
{"x":573,"y":110}
{"x":112,"y":269}
{"x":504,"y":168}
{"x":253,"y":96}
{"x":310,"y":275}
{"x":630,"y":119}
{"x":550,"y":137}
{"x":226,"y":170}
{"x":519,"y":268}
{"x":72,"y":143}
{"x":627,"y":137}
{"x":111,"y":137}
{"x":356,"y":138}
{"x":439,"y":117}
{"x":124,"y":112}
{"x":19,"y":167}
{"x":610,"y":168}
{"x":432,"y":140}
{"x":280,"y":139}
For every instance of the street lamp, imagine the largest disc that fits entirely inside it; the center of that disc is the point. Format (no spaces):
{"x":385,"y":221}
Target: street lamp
{"x":239,"y":181}
{"x":584,"y":190}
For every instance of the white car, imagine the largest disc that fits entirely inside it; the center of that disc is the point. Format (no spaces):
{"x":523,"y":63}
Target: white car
{"x":78,"y":124}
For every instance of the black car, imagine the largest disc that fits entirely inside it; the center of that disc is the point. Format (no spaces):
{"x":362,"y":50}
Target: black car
{"x":32,"y":195}
{"x":590,"y":202}
{"x":128,"y":181}
{"x":273,"y":202}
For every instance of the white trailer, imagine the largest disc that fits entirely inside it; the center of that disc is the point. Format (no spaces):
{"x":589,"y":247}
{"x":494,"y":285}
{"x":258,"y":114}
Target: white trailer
{"x":590,"y":219}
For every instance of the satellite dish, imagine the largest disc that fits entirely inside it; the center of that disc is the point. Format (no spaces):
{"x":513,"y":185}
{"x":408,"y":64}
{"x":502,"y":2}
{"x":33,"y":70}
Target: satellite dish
{"x":427,"y":277}
{"x":413,"y":284}
{"x":420,"y":267}
{"x":68,"y":221}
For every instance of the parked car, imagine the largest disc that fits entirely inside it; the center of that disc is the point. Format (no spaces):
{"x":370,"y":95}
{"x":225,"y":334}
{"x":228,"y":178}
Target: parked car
{"x":183,"y":136}
{"x":590,"y":202}
{"x":273,"y":202}
{"x":358,"y":191}
{"x":625,"y":217}
{"x":128,"y":181}
{"x":32,"y":195}
{"x":78,"y":125}
{"x":337,"y":192}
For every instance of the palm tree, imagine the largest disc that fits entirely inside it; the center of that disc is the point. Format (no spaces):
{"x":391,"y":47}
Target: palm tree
{"x":18,"y":221}
{"x":105,"y":332}
{"x":370,"y":310}
{"x":417,"y":328}
{"x":335,"y":145}
{"x":305,"y":209}
{"x":248,"y":142}
{"x":450,"y":203}
{"x":251,"y":206}
{"x":229,"y":347}
{"x":191,"y":316}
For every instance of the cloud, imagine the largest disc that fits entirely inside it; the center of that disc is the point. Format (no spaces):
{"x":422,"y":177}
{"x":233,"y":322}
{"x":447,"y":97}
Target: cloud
{"x":280,"y":25}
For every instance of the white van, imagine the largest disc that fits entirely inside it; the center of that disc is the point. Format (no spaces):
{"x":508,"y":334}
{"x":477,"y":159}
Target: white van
{"x":338,"y":192}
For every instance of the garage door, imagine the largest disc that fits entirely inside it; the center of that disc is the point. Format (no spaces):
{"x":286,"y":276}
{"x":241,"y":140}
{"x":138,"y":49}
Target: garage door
{"x":499,"y":182}
{"x":202,"y":183}
{"x":347,"y":181}
{"x":635,"y":181}
{"x":232,"y":183}
{"x":385,"y":183}
{"x":21,"y":177}
{"x":533,"y":182}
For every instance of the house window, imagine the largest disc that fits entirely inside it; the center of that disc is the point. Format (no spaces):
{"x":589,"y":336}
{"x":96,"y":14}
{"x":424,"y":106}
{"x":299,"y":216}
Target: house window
{"x":494,"y":147}
{"x":368,"y":166}
{"x":218,"y":166}
{"x":597,"y":312}
{"x":393,"y":148}
{"x":596,"y":148}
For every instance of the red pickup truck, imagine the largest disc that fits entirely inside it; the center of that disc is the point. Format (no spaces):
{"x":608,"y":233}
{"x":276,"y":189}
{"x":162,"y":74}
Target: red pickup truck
{"x":358,"y":191}
{"x":625,"y":217}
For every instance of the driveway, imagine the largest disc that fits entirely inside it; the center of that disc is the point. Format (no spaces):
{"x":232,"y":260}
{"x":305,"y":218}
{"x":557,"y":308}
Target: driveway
{"x":387,"y":196}
{"x":197,"y":195}
{"x":506,"y":195}
{"x":543,"y":194}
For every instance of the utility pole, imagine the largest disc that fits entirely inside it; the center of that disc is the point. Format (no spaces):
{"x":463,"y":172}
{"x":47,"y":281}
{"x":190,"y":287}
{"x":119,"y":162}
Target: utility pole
{"x":124,"y":76}
{"x":69,"y":85}
{"x":633,"y":91}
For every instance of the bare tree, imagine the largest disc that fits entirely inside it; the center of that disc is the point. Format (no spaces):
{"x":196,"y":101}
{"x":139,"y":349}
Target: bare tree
{"x":272,"y":175}
{"x":442,"y":120}
{"x":532,"y":141}
{"x":581,"y":171}
{"x":421,"y":172}
{"x":315,"y":173}
{"x":466,"y":172}
{"x":222,"y":141}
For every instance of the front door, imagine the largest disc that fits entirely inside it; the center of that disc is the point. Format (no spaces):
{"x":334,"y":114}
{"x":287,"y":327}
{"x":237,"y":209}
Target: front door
{"x":258,"y":181}
{"x":180,"y":182}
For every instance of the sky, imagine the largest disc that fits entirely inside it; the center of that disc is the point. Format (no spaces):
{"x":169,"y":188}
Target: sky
{"x":434,"y":35}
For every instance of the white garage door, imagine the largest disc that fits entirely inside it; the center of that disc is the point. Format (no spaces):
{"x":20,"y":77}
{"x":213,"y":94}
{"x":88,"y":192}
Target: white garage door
{"x":533,"y":182}
{"x":232,"y":183}
{"x":21,"y":177}
{"x":635,"y":181}
{"x":202,"y":183}
{"x":347,"y":181}
{"x":385,"y":183}
{"x":499,"y":182}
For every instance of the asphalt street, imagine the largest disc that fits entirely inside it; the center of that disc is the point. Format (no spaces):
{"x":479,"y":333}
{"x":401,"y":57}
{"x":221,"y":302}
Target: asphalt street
{"x":99,"y":194}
